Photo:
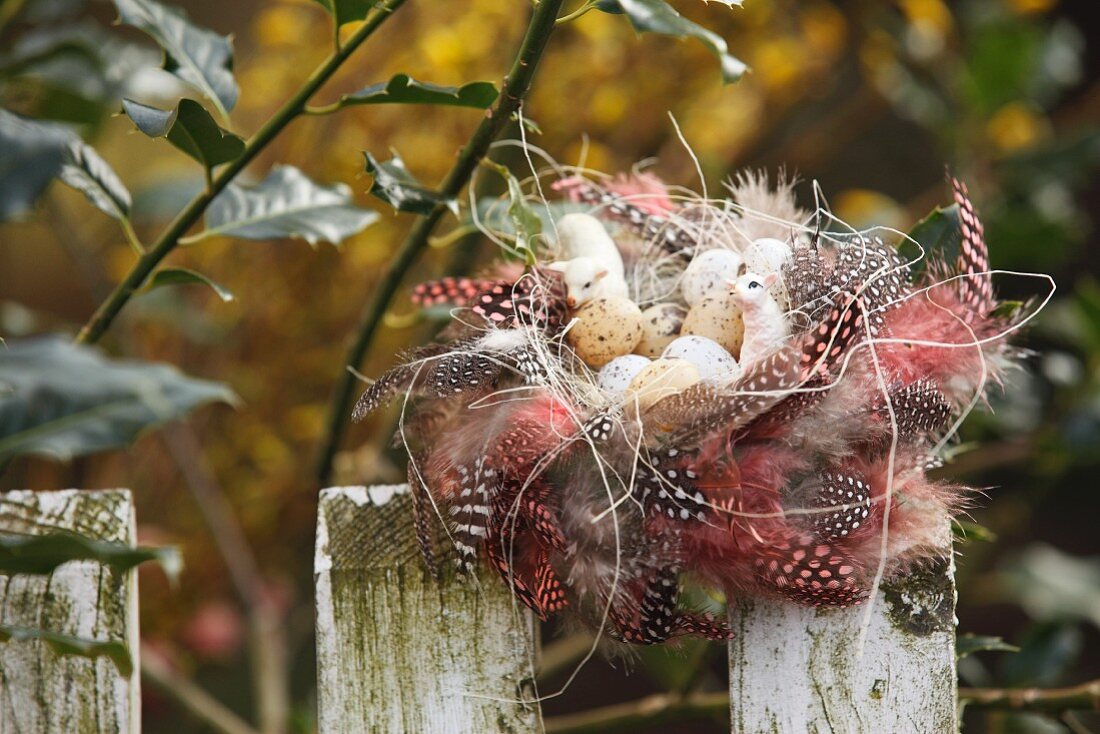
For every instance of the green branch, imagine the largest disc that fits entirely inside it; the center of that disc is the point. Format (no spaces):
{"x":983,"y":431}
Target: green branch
{"x":103,"y":317}
{"x":516,"y":86}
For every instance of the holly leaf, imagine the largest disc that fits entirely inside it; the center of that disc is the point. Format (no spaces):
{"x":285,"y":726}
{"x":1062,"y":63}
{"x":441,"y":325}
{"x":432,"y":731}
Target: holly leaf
{"x":397,"y":187}
{"x":92,"y":176}
{"x":403,"y":89}
{"x":287,"y":204}
{"x":970,"y":643}
{"x":190,"y":128}
{"x":657,"y":16}
{"x":61,"y":644}
{"x":42,"y":554}
{"x":347,"y":11}
{"x":196,"y":55}
{"x":62,"y":400}
{"x":937,"y":234}
{"x":31,"y":155}
{"x":184,"y":276}
{"x":526,"y":224}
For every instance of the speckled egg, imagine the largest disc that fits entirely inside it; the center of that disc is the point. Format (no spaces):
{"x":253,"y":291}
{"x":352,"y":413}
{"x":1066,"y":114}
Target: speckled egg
{"x":707,"y":274}
{"x":660,"y":325}
{"x":606,"y":328}
{"x":766,"y":255}
{"x":709,"y":357}
{"x":717,"y":318}
{"x":663,"y":377}
{"x":615,"y":376}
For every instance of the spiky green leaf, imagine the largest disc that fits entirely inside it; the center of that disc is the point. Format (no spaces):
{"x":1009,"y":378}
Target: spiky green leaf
{"x":397,"y":187}
{"x":92,"y":176}
{"x":184,"y":276}
{"x":287,"y":204}
{"x":31,"y":155}
{"x":969,"y":644}
{"x":190,"y":128}
{"x":196,"y":55}
{"x":937,"y":234}
{"x":657,"y":16}
{"x":403,"y":89}
{"x":42,"y":554}
{"x":62,"y":400}
{"x":61,"y":644}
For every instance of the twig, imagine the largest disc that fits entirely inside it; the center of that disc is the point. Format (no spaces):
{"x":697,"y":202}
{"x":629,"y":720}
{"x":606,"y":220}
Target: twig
{"x":661,"y":708}
{"x":267,"y":645}
{"x":1085,"y":696}
{"x":193,"y":699}
{"x":516,"y":86}
{"x":169,"y":240}
{"x":219,"y":517}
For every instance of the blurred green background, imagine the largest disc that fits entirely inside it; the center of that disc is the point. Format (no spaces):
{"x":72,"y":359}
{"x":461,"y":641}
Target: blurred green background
{"x":869,"y":97}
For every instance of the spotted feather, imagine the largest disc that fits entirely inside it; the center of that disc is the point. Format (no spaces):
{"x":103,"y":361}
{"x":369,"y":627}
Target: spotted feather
{"x":845,"y":501}
{"x":457,"y":291}
{"x":976,"y":288}
{"x":667,"y":486}
{"x":812,"y":573}
{"x":823,"y":347}
{"x":919,"y":409}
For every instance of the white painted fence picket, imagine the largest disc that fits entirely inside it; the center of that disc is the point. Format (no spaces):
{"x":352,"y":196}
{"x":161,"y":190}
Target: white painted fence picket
{"x":398,"y":653}
{"x":42,"y":692}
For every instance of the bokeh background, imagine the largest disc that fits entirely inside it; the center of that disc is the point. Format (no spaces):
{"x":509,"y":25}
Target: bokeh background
{"x":871,"y":98}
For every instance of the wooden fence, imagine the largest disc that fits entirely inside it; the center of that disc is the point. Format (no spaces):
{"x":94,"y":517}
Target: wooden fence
{"x":399,"y":651}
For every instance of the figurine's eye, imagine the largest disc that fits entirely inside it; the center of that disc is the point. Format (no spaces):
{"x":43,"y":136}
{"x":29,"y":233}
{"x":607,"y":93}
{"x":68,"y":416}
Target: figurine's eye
{"x":754,"y":284}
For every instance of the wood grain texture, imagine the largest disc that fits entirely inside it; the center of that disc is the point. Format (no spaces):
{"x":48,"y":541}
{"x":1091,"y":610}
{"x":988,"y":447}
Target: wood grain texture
{"x":40,"y":691}
{"x":796,"y":670}
{"x":398,"y":651}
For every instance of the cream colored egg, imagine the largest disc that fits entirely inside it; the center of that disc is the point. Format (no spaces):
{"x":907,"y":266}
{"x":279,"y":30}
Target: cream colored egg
{"x":660,"y":325}
{"x":708,"y":274}
{"x":615,"y":376}
{"x":766,"y":255}
{"x":662,"y":378}
{"x":606,"y":328}
{"x":708,"y":356}
{"x":717,"y":318}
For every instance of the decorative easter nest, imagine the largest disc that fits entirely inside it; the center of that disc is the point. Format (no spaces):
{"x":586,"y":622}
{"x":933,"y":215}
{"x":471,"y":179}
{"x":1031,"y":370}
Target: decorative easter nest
{"x":598,"y":483}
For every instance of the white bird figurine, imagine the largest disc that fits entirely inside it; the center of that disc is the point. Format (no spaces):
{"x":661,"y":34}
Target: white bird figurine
{"x":766,"y":328}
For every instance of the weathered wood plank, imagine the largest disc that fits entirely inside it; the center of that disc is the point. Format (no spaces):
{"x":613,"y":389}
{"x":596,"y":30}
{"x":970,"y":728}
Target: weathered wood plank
{"x":796,"y":670}
{"x":40,"y":691}
{"x":398,"y":651}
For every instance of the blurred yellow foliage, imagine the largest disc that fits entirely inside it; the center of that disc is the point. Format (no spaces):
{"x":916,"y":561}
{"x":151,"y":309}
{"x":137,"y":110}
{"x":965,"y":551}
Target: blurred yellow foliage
{"x":1016,"y":126}
{"x":1029,"y":7}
